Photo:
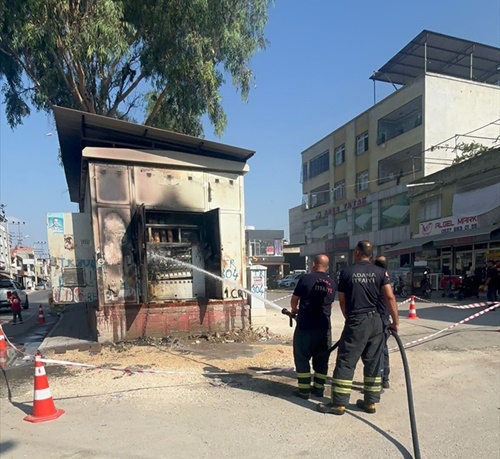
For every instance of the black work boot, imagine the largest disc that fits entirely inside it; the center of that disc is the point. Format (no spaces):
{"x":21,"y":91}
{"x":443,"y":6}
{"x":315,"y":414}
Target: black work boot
{"x":301,"y":393}
{"x":317,"y":392}
{"x":366,"y":406}
{"x":330,"y":408}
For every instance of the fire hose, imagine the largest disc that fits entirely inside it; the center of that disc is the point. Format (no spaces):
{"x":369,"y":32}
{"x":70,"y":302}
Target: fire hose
{"x":294,"y":316}
{"x":409,"y":391}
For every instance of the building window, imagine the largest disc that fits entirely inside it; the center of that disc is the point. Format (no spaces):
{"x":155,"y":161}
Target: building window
{"x":362,"y":143}
{"x":319,"y":164}
{"x":405,"y":163}
{"x":340,"y":155}
{"x":319,"y":196}
{"x":430,"y":209}
{"x":402,"y":120}
{"x":304,"y":173}
{"x":339,"y":190}
{"x":362,"y":181}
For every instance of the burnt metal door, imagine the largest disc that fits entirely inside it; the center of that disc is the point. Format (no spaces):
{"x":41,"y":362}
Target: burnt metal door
{"x":212,"y":252}
{"x":140,"y":252}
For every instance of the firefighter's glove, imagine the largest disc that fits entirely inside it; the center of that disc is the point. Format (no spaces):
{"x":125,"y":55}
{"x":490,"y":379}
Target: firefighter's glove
{"x":393,"y":327}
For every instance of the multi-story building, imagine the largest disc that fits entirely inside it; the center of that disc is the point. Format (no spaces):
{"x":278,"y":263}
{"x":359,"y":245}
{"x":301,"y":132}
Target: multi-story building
{"x":455,"y":218}
{"x":4,"y":249}
{"x":354,"y":179}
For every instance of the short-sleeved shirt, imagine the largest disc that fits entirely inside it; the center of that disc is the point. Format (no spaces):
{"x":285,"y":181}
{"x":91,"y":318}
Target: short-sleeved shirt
{"x":15,"y":303}
{"x":362,"y":284}
{"x":493,"y":276}
{"x":317,"y":293}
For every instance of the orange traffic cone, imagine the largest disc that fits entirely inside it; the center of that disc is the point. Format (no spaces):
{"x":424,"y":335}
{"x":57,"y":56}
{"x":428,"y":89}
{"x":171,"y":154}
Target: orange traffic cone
{"x":3,"y":341}
{"x":412,"y":312}
{"x":43,"y":404}
{"x":3,"y":358}
{"x":41,"y":317}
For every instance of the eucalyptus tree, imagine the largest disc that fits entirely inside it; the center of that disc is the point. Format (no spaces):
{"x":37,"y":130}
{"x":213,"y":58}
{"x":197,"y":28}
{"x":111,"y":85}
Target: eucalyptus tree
{"x":164,"y":61}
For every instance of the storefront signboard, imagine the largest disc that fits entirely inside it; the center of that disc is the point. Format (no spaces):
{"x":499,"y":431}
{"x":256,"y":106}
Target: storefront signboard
{"x":448,"y":225}
{"x":337,"y":245}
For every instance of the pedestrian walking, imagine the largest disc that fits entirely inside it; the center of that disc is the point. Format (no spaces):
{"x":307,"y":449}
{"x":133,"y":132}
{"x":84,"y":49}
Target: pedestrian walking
{"x":360,"y":288}
{"x":312,"y":304}
{"x":15,"y":305}
{"x":381,"y":262}
{"x":491,"y":281}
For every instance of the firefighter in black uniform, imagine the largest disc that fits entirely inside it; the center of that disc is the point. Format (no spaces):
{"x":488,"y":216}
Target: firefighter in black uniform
{"x":360,"y":287}
{"x":312,"y":303}
{"x":381,"y":262}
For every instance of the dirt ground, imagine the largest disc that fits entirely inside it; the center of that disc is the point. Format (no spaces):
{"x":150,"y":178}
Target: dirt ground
{"x":190,"y":412}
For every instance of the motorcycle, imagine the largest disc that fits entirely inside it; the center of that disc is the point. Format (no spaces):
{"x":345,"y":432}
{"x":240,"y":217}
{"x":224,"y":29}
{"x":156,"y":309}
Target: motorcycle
{"x":399,"y":288}
{"x":425,"y":288}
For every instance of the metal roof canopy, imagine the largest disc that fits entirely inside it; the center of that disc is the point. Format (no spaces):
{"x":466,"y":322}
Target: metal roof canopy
{"x":437,"y":53}
{"x":77,"y":130}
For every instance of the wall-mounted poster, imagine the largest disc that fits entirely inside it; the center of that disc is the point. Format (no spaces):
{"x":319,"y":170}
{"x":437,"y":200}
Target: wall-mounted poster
{"x":395,"y":211}
{"x":363,"y":219}
{"x":55,"y":223}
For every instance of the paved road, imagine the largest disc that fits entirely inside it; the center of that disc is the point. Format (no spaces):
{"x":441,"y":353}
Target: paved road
{"x":30,"y":334}
{"x":455,"y":383}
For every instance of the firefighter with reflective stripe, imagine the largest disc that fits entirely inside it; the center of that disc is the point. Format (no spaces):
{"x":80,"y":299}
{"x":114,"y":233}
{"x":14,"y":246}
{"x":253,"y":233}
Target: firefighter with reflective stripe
{"x":383,"y":310}
{"x":312,"y":304}
{"x":360,"y":288}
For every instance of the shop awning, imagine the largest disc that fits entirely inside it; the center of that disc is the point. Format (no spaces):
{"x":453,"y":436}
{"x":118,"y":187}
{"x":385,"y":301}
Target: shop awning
{"x":483,"y":234}
{"x":411,"y":245}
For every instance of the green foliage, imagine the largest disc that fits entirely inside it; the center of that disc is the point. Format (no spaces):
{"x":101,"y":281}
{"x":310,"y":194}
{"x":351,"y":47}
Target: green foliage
{"x":468,"y":151}
{"x":165,"y":60}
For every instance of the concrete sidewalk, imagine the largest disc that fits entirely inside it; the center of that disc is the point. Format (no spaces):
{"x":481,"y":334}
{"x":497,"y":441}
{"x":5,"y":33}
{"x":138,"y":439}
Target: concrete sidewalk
{"x":72,"y":331}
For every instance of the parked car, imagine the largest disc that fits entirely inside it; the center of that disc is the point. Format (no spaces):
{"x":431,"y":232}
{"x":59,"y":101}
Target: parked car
{"x":8,"y":286}
{"x":281,"y":282}
{"x":292,"y":281}
{"x":41,"y":285}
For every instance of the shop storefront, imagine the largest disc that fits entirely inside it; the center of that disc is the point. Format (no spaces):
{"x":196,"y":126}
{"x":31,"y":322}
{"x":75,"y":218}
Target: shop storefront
{"x":451,"y":253}
{"x":338,"y":251}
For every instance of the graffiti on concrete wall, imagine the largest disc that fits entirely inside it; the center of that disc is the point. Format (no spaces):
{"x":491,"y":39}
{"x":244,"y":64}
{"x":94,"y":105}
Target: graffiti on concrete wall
{"x":229,"y":270}
{"x":117,"y":272}
{"x":63,"y":293}
{"x":72,"y":262}
{"x":258,"y":282}
{"x":235,"y":293}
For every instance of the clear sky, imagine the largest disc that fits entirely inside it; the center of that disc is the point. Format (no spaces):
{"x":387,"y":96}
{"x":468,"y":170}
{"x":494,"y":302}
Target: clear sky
{"x":313,"y":78}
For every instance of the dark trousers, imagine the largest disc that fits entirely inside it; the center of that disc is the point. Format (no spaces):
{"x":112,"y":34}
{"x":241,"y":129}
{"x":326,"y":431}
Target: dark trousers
{"x":491,"y":293}
{"x":307,"y":345}
{"x":15,"y":315}
{"x":384,"y":355}
{"x":363,"y":336}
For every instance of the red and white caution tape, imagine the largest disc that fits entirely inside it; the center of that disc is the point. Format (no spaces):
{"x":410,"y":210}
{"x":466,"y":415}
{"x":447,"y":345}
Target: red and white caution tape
{"x":467,"y":319}
{"x":469,"y":306}
{"x":12,"y":345}
{"x":404,"y":302}
{"x":282,"y":298}
{"x":457,"y":306}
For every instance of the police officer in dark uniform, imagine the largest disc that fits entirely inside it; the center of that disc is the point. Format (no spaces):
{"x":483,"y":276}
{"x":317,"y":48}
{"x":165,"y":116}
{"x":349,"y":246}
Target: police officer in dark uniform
{"x":360,"y":287}
{"x":312,"y":303}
